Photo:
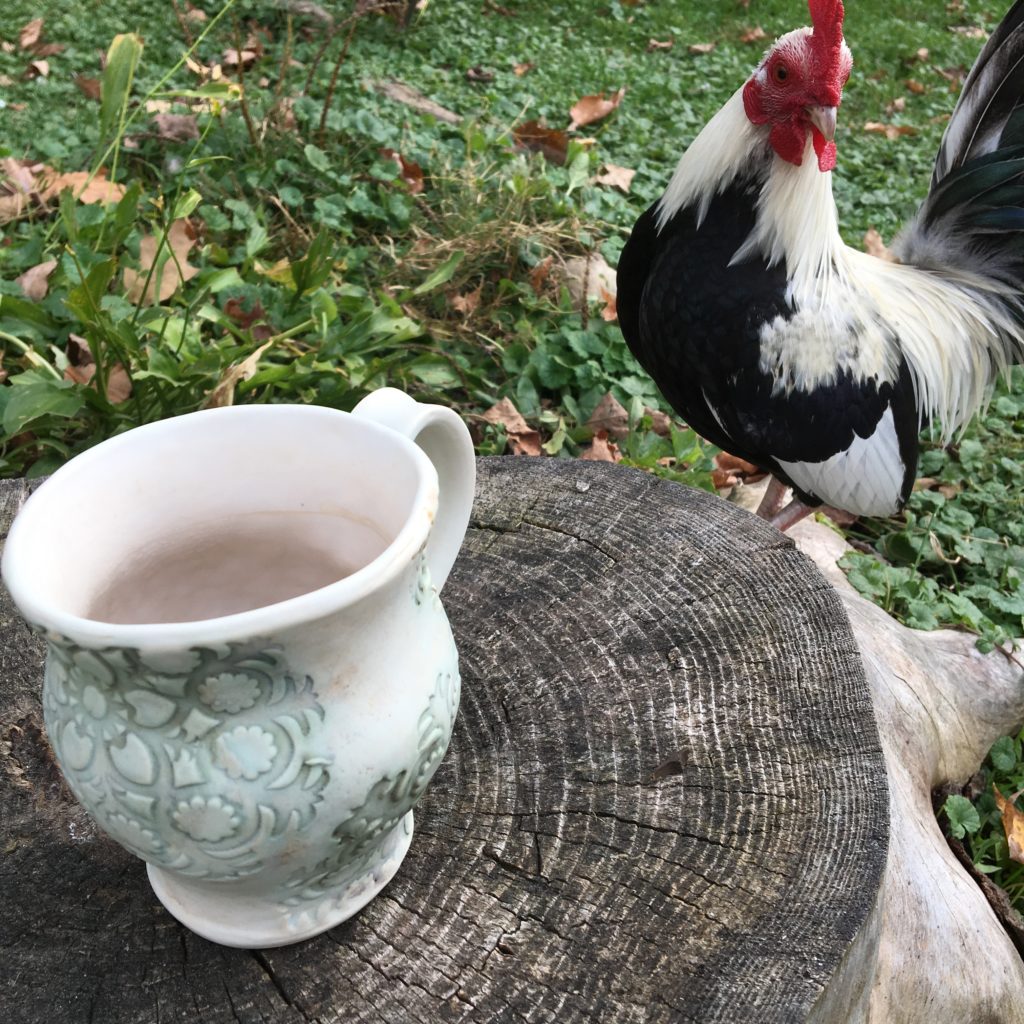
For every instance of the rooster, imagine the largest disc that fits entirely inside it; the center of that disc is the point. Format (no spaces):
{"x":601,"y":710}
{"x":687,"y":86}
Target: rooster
{"x":784,"y":346}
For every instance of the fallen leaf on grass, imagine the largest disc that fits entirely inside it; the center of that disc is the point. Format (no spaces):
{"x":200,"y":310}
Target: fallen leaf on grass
{"x":224,"y":393}
{"x":588,"y":109}
{"x":753,"y":35}
{"x":467,"y":303}
{"x":538,"y":138}
{"x":617,"y":177}
{"x":232,"y":58}
{"x":246,"y":318}
{"x":176,"y":127}
{"x":521,"y":69}
{"x":171,"y":266}
{"x":30,"y":33}
{"x":657,"y":44}
{"x":969,"y":31}
{"x":916,"y":87}
{"x":410,"y":174}
{"x":35,"y":283}
{"x":521,"y":438}
{"x":922,"y":54}
{"x":479,"y":74}
{"x":897,"y":106}
{"x":874,"y":246}
{"x":89,"y":87}
{"x":37,"y":69}
{"x":47,"y":49}
{"x":610,"y":311}
{"x":1013,"y":824}
{"x":890,"y":131}
{"x":601,"y":449}
{"x":609,"y":416}
{"x":540,"y":273}
{"x":84,"y":187}
{"x":82,"y":370}
{"x":700,"y":49}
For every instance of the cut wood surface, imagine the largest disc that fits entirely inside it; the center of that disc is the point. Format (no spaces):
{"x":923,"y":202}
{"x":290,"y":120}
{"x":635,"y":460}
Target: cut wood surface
{"x":665,"y":799}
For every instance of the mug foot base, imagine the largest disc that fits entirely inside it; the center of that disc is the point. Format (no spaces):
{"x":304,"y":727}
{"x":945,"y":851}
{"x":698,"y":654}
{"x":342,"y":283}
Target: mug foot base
{"x":256,"y":922}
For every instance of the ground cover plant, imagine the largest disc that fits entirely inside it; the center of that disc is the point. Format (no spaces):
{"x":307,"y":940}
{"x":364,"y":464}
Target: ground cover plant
{"x":235,"y":202}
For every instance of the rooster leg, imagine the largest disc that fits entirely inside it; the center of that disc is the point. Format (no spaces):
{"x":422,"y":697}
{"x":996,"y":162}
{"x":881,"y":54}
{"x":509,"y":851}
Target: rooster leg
{"x":790,"y":515}
{"x":772,"y":500}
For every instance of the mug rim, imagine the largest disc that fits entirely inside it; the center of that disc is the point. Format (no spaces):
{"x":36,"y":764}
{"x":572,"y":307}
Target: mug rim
{"x":15,"y":567}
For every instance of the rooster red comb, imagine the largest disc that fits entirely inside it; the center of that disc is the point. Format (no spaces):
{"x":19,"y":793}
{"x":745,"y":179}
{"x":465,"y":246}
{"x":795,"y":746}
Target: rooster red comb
{"x":827,"y":44}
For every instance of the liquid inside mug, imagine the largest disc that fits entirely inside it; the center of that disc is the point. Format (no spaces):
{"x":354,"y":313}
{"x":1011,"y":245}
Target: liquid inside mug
{"x":250,"y":679}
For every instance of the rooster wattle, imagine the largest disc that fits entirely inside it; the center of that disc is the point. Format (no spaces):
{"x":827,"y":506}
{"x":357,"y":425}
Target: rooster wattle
{"x":784,"y":346}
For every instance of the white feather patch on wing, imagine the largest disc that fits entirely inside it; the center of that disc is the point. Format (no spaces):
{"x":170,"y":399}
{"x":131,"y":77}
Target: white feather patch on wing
{"x":865,"y":479}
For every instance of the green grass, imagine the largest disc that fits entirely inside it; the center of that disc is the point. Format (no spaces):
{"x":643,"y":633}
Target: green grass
{"x":307,"y":237}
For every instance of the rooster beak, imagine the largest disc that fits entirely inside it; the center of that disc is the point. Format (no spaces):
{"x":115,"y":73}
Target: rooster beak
{"x":824,"y":119}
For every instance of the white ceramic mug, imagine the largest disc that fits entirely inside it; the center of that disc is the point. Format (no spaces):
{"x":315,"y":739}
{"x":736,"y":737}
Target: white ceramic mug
{"x":250,"y":679}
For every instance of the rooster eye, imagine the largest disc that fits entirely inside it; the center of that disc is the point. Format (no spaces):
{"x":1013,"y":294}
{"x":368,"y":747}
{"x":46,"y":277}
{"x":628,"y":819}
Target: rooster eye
{"x":780,"y":73}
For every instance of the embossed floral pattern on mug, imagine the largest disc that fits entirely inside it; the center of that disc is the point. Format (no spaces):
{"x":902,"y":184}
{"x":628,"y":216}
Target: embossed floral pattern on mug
{"x":193,"y":766}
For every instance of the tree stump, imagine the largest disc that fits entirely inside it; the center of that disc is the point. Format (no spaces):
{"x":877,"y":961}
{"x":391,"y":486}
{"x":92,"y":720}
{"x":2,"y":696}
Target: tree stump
{"x":665,"y":799}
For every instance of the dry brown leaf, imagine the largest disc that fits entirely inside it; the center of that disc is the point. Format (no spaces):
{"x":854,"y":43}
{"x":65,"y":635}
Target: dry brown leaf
{"x":661,"y":422}
{"x":609,"y":312}
{"x":224,"y":393}
{"x":410,"y":174}
{"x":47,"y":49}
{"x":82,"y":370}
{"x":35,"y":282}
{"x":521,"y":438}
{"x":588,"y":109}
{"x":890,"y":131}
{"x":521,"y":69}
{"x":20,"y":176}
{"x":657,"y":44}
{"x":479,"y":74}
{"x":540,"y":273}
{"x":6,"y":80}
{"x":916,"y":87}
{"x":601,"y":449}
{"x":245,"y":318}
{"x":897,"y":106}
{"x":922,"y":54}
{"x":37,"y":69}
{"x":467,"y":303}
{"x":617,"y":177}
{"x":232,"y":58}
{"x":12,"y":207}
{"x":700,"y":49}
{"x":176,"y":127}
{"x":874,"y":246}
{"x":88,"y":86}
{"x":1013,"y":824}
{"x":96,"y":190}
{"x":734,"y":464}
{"x":754,"y":35}
{"x":970,"y":31}
{"x":538,"y":138}
{"x":30,"y":33}
{"x":194,"y":14}
{"x":609,"y":416}
{"x":172,"y":267}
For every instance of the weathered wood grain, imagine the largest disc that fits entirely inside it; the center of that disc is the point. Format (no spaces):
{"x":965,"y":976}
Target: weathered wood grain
{"x":665,"y":799}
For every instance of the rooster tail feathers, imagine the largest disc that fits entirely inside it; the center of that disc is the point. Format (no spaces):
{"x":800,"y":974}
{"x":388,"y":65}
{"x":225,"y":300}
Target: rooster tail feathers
{"x":968,"y":235}
{"x":989,"y":113}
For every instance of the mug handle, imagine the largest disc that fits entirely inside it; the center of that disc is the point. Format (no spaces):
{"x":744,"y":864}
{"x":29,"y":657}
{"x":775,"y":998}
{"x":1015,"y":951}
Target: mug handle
{"x":441,"y":433}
